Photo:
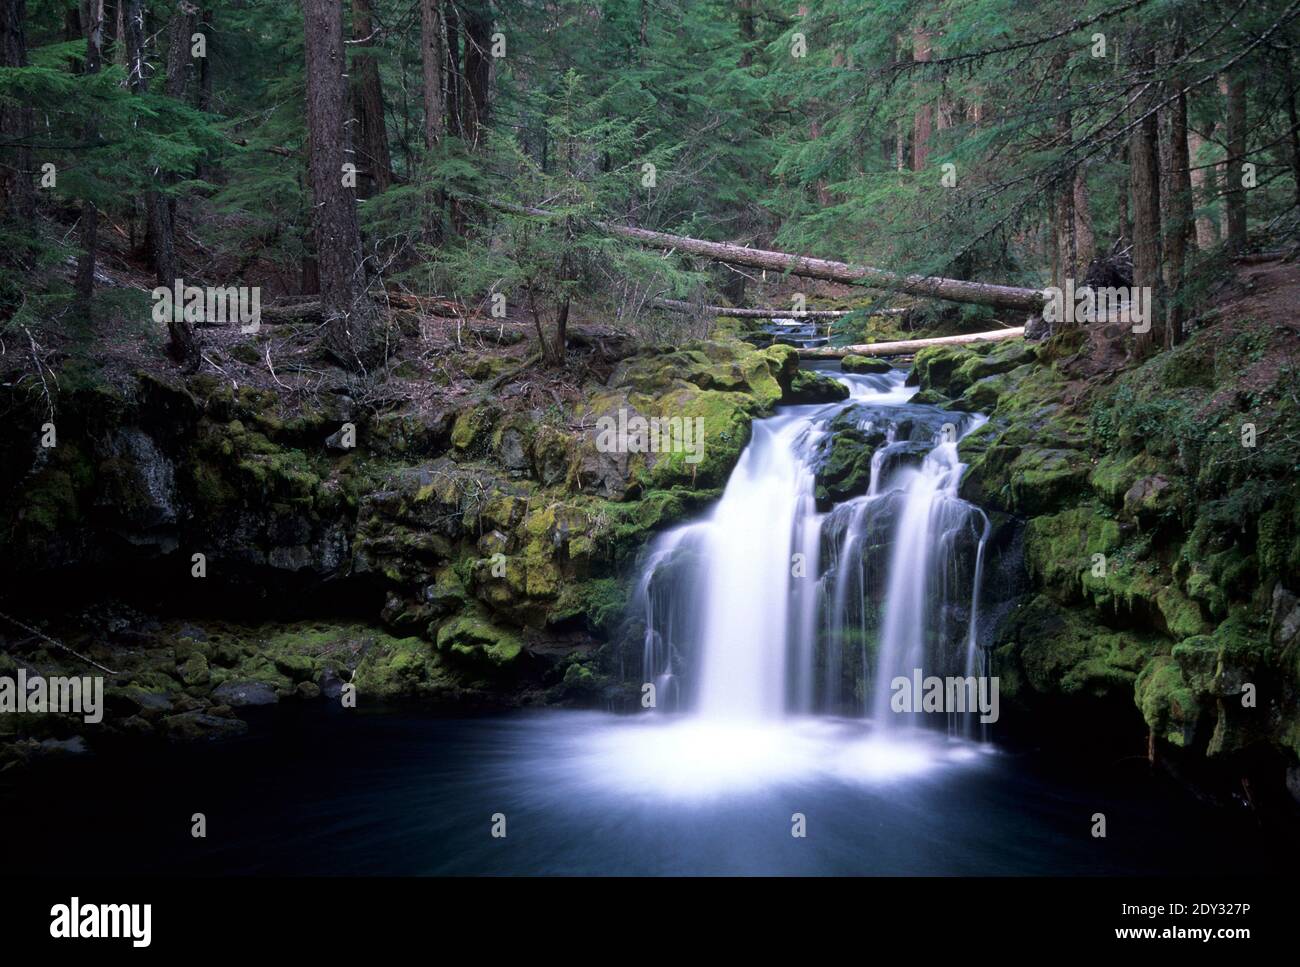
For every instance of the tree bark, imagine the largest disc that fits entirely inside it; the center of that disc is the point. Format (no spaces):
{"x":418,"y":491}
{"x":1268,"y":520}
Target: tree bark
{"x":935,"y":287}
{"x":119,"y":33}
{"x":745,"y":9}
{"x":1294,"y":117}
{"x":368,"y":106}
{"x":162,"y":252}
{"x":1178,"y":195}
{"x":676,"y":305}
{"x":93,"y":19}
{"x":16,"y":120}
{"x":923,"y":120}
{"x":179,"y":61}
{"x":1062,"y":217}
{"x":478,"y":70}
{"x":205,"y":68}
{"x":1144,"y":183}
{"x":1085,"y":240}
{"x":1235,"y":200}
{"x":454,"y":76}
{"x":353,"y":334}
{"x":952,"y":290}
{"x":908,"y":346}
{"x":433,"y":39}
{"x":1202,"y":180}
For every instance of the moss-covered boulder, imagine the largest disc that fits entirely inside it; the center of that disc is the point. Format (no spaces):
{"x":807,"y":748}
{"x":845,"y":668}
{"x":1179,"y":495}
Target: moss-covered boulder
{"x":810,"y":386}
{"x":471,"y":638}
{"x":865,"y":364}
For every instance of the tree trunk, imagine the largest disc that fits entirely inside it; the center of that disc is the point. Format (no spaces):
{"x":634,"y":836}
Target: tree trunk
{"x":908,"y":346}
{"x":353,"y":334}
{"x":478,"y":69}
{"x":953,"y":290}
{"x":204,"y":170}
{"x":1062,"y":217}
{"x":433,"y":39}
{"x":676,"y":305}
{"x":179,"y":61}
{"x":747,"y":33}
{"x":454,"y":76}
{"x":1085,"y":240}
{"x":1144,"y":182}
{"x":93,"y":18}
{"x":1178,"y":195}
{"x":162,"y":252}
{"x":368,"y":106}
{"x":561,"y":342}
{"x":1235,"y":200}
{"x":119,"y":34}
{"x":205,"y":69}
{"x":16,"y":120}
{"x":923,"y":120}
{"x":1202,"y":180}
{"x":1294,"y":117}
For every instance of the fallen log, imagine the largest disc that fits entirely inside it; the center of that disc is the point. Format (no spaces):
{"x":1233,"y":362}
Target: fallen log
{"x":673,"y":305}
{"x":908,"y":346}
{"x":951,"y":290}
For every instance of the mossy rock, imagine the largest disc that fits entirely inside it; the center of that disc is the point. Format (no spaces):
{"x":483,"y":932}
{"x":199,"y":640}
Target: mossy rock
{"x":471,"y":435}
{"x":600,"y":602}
{"x":845,"y":469}
{"x":935,"y":367}
{"x":1053,"y":650}
{"x":865,"y":364}
{"x":399,"y":667}
{"x":810,"y":386}
{"x":473,"y":639}
{"x":1168,"y":705}
{"x":1041,"y":480}
{"x":1061,"y":549}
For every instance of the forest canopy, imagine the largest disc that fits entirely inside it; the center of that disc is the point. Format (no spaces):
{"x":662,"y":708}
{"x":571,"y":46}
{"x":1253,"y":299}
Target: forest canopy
{"x":473,"y":150}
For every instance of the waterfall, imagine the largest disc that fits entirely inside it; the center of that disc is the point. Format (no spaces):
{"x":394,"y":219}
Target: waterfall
{"x":772,"y":604}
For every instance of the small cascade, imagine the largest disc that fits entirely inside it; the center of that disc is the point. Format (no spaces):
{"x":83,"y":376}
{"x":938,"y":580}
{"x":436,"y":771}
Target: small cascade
{"x":780,"y":603}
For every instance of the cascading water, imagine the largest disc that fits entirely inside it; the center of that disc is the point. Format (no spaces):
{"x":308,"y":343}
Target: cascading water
{"x":781,"y":601}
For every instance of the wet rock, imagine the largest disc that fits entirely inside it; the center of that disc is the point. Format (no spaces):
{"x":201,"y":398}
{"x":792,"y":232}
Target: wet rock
{"x":331,"y":686}
{"x":810,"y":386}
{"x":240,"y":694}
{"x":1284,"y":626}
{"x":200,"y":727}
{"x":76,"y":745}
{"x":865,"y":364}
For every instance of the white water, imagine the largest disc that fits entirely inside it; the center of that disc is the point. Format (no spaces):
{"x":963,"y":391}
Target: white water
{"x":744,"y":620}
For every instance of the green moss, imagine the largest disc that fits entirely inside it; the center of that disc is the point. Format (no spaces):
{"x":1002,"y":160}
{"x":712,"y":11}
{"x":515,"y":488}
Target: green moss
{"x":810,"y":386}
{"x":472,"y":638}
{"x":1167,"y":704}
{"x":1182,"y":617}
{"x":472,"y":431}
{"x":865,"y":364}
{"x":1060,"y":549}
{"x":1041,"y":480}
{"x":600,"y":602}
{"x":845,"y":471}
{"x":1053,"y":650}
{"x":935,"y":367}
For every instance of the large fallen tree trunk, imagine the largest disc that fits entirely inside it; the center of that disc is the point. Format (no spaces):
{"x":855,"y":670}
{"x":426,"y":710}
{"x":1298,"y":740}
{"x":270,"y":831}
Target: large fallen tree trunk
{"x":908,"y":346}
{"x":673,"y":305}
{"x":952,"y":290}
